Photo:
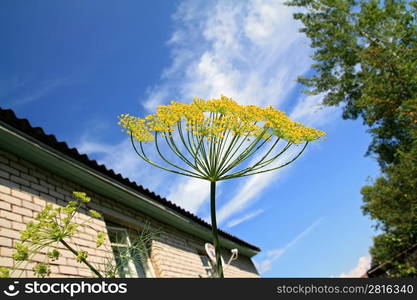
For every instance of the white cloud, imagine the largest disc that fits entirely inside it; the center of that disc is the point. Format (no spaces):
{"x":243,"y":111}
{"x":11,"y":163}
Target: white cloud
{"x":250,"y":51}
{"x":158,"y":96}
{"x":247,"y":217}
{"x":190,"y":193}
{"x":265,"y":265}
{"x":266,"y":24}
{"x":309,"y":111}
{"x":248,"y":192}
{"x":363,"y":265}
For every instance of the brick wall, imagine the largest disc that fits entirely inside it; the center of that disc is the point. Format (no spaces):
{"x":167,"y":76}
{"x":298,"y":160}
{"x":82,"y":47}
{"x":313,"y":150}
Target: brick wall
{"x":24,"y":191}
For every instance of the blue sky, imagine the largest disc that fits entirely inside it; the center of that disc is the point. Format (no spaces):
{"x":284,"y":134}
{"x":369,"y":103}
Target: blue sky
{"x":72,"y":66}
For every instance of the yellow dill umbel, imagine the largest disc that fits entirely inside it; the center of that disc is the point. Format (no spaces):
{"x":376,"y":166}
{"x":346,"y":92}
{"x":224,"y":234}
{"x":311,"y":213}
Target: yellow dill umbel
{"x":214,"y":117}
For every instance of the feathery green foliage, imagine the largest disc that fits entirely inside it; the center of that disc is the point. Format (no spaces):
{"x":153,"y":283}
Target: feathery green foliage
{"x":55,"y":226}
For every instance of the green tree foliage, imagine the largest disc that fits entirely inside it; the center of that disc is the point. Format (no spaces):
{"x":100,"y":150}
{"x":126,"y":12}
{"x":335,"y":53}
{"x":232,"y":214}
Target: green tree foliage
{"x":392,"y":202}
{"x":365,"y":59}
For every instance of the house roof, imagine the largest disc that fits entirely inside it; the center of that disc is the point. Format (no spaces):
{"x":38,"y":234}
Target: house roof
{"x":8,"y":116}
{"x":381,"y":269}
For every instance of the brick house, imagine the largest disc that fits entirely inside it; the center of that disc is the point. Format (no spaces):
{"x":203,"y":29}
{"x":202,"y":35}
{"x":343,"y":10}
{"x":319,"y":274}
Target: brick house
{"x":36,"y":169}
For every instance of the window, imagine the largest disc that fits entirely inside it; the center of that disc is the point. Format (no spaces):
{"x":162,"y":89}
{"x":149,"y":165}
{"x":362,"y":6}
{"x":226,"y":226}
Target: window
{"x":207,"y":265}
{"x":129,"y":262}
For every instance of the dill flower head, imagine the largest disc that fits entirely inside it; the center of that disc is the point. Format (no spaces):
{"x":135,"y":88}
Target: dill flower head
{"x":213,"y":118}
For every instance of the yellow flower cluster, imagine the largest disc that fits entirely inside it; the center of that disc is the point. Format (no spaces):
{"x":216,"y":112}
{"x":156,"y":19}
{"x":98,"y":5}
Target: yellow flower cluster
{"x":81,"y":196}
{"x":213,"y":118}
{"x":136,"y":127}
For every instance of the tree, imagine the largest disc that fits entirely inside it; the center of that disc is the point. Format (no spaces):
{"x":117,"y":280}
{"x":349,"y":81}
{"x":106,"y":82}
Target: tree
{"x":365,"y":58}
{"x":392,"y":202}
{"x":217,"y":140}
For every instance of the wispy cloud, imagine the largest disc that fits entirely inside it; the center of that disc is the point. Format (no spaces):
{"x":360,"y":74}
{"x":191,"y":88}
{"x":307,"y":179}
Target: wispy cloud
{"x":248,"y":193}
{"x":10,"y":85}
{"x":363,"y":265}
{"x":244,"y":218}
{"x":265,"y":265}
{"x":38,"y":91}
{"x":309,"y":111}
{"x":250,"y":51}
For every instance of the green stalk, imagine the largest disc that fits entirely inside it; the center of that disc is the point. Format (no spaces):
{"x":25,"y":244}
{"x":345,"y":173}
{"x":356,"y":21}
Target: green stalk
{"x":193,"y":152}
{"x":75,"y":252}
{"x":264,"y":171}
{"x":260,"y":164}
{"x":145,"y":158}
{"x":216,"y":243}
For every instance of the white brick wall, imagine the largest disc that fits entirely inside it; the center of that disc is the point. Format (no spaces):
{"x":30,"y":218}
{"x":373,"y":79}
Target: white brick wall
{"x":25,"y":189}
